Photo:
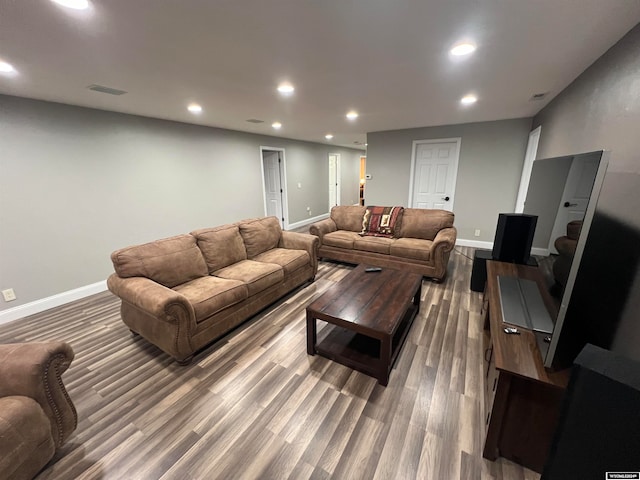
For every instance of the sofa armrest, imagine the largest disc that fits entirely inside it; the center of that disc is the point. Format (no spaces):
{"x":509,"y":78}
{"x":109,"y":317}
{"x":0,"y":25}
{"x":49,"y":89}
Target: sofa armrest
{"x":321,"y":228}
{"x":35,"y":370}
{"x":302,"y":241}
{"x":445,"y":239}
{"x":150,"y":297}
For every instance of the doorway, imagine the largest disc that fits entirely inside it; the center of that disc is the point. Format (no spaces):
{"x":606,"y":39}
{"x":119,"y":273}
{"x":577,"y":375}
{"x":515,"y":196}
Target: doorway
{"x":363,"y":178}
{"x":434,"y":168}
{"x":274,"y":183}
{"x":334,"y":180}
{"x":529,"y":157}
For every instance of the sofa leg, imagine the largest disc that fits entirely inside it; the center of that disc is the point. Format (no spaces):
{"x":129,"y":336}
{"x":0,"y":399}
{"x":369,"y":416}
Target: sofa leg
{"x":135,"y":334}
{"x":185,"y":362}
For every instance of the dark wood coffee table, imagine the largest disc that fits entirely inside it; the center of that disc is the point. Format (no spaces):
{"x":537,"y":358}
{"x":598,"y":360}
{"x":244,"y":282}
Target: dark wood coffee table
{"x":369,"y":315}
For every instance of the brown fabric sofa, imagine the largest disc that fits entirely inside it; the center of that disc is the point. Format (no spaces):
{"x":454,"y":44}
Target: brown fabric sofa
{"x":182,"y":293}
{"x":422,"y":243}
{"x":36,"y":413}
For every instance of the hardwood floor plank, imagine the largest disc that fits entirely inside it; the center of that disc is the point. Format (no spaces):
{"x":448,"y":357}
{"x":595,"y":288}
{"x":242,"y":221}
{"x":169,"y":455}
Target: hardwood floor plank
{"x":254,"y":405}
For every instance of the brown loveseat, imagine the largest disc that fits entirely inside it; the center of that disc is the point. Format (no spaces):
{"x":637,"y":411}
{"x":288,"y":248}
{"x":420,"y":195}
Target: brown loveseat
{"x":422,"y":240}
{"x":36,"y":413}
{"x":182,"y":293}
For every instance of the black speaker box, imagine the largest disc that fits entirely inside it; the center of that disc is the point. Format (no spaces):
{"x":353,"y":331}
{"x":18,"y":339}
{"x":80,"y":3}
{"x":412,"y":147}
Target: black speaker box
{"x":514,"y":236}
{"x":479,"y":270}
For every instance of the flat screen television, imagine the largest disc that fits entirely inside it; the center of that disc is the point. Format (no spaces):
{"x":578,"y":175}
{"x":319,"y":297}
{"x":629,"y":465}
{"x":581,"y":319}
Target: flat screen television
{"x":563,"y":190}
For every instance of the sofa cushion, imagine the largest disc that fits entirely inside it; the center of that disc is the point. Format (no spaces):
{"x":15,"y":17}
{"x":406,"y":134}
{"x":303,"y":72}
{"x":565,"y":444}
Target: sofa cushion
{"x":424,"y":223}
{"x":290,"y":260}
{"x":374,"y":244}
{"x":221,"y":246}
{"x":340,"y":239}
{"x":381,"y":221}
{"x":209,"y":295}
{"x":26,"y":444}
{"x":348,"y":217}
{"x":414,"y":248}
{"x":260,"y":235}
{"x":170,"y":261}
{"x":257,"y":276}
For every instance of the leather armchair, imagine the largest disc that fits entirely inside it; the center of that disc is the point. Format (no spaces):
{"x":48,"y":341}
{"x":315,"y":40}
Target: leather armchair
{"x":36,"y":413}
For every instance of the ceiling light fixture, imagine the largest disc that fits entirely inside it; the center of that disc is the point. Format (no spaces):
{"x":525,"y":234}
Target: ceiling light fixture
{"x":75,"y":4}
{"x":194,"y":108}
{"x":352,"y":115}
{"x":286,"y":88}
{"x":468,"y":100}
{"x":328,"y":136}
{"x":6,"y":67}
{"x":464,"y":48}
{"x":276,"y":125}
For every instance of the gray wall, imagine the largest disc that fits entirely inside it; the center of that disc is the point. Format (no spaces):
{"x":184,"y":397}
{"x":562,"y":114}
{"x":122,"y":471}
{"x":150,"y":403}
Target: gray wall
{"x":77,"y":183}
{"x":601,"y":110}
{"x":489,"y":170}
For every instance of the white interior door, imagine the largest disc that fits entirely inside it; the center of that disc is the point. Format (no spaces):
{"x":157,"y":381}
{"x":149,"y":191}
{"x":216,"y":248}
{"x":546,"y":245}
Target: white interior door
{"x":271,"y":163}
{"x":434,"y":170}
{"x":575,"y":198}
{"x":334,"y":180}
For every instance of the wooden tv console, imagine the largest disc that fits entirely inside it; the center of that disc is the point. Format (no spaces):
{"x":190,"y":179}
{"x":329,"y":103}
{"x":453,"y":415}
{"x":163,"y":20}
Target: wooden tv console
{"x":522,"y":398}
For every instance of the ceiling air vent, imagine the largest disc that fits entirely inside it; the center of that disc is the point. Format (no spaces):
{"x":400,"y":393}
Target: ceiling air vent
{"x":103,"y":89}
{"x":255,"y":120}
{"x":538,"y":96}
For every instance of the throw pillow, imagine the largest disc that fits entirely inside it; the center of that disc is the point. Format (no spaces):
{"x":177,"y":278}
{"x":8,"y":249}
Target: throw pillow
{"x":380,"y":221}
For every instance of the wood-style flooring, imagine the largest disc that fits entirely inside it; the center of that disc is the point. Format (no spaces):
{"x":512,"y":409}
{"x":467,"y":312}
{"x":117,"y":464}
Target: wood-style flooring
{"x":254,"y":405}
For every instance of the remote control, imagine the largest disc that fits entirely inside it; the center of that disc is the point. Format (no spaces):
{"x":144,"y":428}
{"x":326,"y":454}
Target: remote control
{"x":372,"y":269}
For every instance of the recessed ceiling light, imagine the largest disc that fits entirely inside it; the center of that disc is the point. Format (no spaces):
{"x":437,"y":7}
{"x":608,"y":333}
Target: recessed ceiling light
{"x":75,"y":4}
{"x":194,"y":108}
{"x":468,"y":99}
{"x":6,"y":67}
{"x":286,"y":88}
{"x":276,"y":125}
{"x":352,"y":115}
{"x":463,"y":49}
{"x":328,"y":136}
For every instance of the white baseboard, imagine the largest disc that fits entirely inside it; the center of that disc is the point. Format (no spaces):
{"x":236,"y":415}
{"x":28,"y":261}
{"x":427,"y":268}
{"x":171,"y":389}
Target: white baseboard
{"x":43,"y":304}
{"x":309,"y":221}
{"x":542,"y":252}
{"x":474,"y":243}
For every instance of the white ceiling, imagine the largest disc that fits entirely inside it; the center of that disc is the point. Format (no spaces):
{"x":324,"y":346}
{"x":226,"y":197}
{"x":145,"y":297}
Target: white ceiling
{"x":387,"y":59}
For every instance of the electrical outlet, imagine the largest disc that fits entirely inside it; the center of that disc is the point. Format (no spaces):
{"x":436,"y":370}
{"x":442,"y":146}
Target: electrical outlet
{"x":477,"y":232}
{"x":8,"y":295}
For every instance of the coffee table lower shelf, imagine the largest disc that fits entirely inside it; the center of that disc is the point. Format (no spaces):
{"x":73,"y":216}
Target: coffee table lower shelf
{"x":360,"y":351}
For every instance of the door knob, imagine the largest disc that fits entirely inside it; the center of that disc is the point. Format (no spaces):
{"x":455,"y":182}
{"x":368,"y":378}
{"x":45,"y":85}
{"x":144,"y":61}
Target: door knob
{"x":567,"y":204}
{"x":446,"y":199}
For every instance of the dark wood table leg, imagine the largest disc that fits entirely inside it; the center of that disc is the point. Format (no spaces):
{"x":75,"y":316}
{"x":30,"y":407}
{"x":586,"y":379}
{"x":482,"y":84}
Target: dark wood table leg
{"x":385,"y":360}
{"x":311,"y":334}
